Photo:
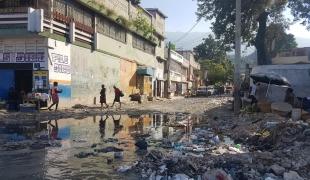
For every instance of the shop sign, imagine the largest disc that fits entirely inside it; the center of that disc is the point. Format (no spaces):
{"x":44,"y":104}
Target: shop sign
{"x":40,"y":79}
{"x":21,"y":57}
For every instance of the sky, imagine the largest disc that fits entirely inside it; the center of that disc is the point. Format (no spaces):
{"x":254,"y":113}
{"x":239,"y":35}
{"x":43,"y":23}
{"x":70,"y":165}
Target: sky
{"x":182,"y":17}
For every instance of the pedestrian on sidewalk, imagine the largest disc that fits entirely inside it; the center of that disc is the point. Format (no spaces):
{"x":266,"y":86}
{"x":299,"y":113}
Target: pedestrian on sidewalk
{"x":54,"y":94}
{"x":118,"y":94}
{"x":103,"y":99}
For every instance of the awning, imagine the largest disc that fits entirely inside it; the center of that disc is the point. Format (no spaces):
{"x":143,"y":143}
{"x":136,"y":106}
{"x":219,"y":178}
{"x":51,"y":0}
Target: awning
{"x":145,"y":71}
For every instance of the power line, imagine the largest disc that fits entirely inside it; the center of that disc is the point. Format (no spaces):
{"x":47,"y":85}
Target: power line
{"x":190,"y":30}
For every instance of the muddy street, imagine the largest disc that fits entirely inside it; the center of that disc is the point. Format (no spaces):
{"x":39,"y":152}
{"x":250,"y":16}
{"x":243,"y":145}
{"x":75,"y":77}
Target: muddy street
{"x":188,"y":138}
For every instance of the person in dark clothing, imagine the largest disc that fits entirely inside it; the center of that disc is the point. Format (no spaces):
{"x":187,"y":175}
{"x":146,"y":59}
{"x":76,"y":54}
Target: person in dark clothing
{"x":12,"y":99}
{"x":102,"y":125}
{"x":117,"y":126}
{"x":118,"y":95}
{"x":103,"y":99}
{"x":54,"y":95}
{"x":290,"y":97}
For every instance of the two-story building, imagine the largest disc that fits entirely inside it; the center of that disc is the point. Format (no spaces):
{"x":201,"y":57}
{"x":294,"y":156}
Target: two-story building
{"x":193,"y":77}
{"x":81,"y":44}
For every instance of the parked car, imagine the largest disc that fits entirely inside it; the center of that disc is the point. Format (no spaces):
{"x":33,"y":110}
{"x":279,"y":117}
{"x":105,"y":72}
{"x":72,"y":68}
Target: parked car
{"x":202,"y":91}
{"x":228,"y":89}
{"x":210,"y":90}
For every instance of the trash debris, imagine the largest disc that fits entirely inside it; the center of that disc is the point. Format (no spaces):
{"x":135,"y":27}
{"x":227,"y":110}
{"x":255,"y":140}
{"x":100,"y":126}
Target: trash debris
{"x":84,"y":154}
{"x":108,"y":149}
{"x":141,"y":144}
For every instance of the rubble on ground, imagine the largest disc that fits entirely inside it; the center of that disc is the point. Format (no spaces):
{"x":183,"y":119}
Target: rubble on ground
{"x":269,"y":147}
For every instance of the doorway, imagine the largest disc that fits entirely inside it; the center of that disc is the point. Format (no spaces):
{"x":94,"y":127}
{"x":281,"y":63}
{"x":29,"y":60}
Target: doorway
{"x":23,"y":81}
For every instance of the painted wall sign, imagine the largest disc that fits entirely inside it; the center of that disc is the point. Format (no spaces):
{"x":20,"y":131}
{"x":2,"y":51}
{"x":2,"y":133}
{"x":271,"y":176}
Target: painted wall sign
{"x":21,"y":57}
{"x":32,"y":50}
{"x":60,"y":66}
{"x":61,"y":63}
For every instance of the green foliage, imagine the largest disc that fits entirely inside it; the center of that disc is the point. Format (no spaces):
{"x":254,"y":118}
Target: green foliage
{"x":217,"y":73}
{"x":254,"y":13}
{"x":172,"y":46}
{"x":277,"y":39}
{"x":96,"y":5}
{"x":211,"y":49}
{"x":301,"y":11}
{"x":110,"y":12}
{"x":223,"y":14}
{"x":122,"y":20}
{"x":142,"y":25}
{"x":213,"y":59}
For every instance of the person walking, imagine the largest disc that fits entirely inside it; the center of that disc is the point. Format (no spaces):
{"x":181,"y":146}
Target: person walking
{"x":54,"y":95}
{"x":103,"y":99}
{"x":118,"y":94}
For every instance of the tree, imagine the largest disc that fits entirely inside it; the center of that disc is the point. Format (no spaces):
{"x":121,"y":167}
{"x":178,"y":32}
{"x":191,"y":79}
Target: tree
{"x":301,"y":11}
{"x":217,"y":72}
{"x":211,"y":49}
{"x":213,"y":58}
{"x":254,"y":19}
{"x":277,"y":39}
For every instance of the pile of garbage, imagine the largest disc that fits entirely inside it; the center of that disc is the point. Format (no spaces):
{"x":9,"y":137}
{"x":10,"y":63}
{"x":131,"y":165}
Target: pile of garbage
{"x":277,"y":149}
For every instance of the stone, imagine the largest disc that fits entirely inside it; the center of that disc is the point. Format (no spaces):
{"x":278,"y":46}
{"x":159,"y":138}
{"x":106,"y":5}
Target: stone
{"x":180,"y":177}
{"x":141,"y":144}
{"x":278,"y":170}
{"x":216,"y":174}
{"x":292,"y":175}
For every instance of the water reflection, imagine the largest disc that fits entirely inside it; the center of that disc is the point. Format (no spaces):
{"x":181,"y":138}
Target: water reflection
{"x":63,"y":139}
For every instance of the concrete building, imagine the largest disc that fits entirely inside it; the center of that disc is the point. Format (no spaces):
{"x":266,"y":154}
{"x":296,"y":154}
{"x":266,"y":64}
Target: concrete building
{"x":182,"y":72}
{"x":193,"y":77}
{"x":81,"y":44}
{"x":293,"y":56}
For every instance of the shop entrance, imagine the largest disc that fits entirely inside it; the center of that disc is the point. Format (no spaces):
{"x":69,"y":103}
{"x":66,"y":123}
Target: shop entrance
{"x":23,"y":81}
{"x":15,"y":75}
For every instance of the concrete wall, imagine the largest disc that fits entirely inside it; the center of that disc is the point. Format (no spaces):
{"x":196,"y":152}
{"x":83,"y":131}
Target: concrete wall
{"x":297,"y":75}
{"x":89,"y":71}
{"x":125,"y":50}
{"x":290,"y":60}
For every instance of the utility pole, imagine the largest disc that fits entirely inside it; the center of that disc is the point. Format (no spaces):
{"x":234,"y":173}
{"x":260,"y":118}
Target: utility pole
{"x":237,"y":83}
{"x":168,"y":71}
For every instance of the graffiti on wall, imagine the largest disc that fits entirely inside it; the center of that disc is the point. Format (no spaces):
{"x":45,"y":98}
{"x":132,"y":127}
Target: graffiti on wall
{"x":61,"y":64}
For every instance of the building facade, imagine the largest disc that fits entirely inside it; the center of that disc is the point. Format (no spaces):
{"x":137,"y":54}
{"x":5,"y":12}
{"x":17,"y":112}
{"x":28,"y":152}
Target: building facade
{"x":184,"y":72}
{"x":81,"y":44}
{"x":293,"y":56}
{"x":193,"y":75}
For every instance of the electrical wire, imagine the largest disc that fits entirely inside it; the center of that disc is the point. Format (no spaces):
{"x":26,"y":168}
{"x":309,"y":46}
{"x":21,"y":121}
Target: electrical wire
{"x":189,"y":31}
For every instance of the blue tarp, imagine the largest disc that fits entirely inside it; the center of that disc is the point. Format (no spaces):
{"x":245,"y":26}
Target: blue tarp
{"x":145,"y":71}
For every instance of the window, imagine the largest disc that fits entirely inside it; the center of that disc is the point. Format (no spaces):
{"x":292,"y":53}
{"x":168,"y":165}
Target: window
{"x":60,"y":6}
{"x":142,"y":44}
{"x":111,"y":30}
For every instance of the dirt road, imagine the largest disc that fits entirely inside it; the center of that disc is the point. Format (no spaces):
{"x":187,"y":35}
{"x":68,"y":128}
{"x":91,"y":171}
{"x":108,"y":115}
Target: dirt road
{"x":188,"y":105}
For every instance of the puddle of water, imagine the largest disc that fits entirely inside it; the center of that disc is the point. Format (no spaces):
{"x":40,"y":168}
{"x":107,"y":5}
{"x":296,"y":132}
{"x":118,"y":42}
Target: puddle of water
{"x":67,"y":138}
{"x":77,"y":148}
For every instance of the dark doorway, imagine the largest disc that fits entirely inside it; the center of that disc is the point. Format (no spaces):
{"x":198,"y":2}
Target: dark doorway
{"x":23,"y":80}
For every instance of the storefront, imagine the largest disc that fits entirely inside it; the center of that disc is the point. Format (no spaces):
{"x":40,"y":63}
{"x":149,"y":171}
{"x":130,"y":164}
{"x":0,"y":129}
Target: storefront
{"x":144,"y":80}
{"x":23,"y":66}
